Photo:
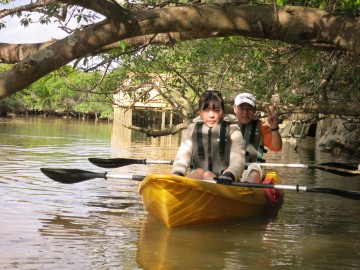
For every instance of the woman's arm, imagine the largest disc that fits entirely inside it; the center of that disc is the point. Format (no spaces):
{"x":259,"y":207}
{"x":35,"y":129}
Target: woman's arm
{"x":183,"y":156}
{"x":237,"y":153}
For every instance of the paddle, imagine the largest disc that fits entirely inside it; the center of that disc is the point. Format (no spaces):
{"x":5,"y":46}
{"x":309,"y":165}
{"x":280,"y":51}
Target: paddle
{"x":331,"y":167}
{"x":120,"y":162}
{"x":71,"y":176}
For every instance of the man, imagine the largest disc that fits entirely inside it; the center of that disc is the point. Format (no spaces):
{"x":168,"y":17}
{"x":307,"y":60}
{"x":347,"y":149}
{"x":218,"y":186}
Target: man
{"x":256,"y":134}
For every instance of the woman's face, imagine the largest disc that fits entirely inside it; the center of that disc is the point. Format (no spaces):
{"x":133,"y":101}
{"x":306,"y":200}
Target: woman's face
{"x":211,"y":115}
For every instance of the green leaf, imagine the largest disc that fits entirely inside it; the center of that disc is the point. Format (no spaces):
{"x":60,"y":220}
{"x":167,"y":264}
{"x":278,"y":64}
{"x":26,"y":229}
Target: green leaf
{"x":2,"y":25}
{"x":123,"y":45}
{"x":76,"y":63}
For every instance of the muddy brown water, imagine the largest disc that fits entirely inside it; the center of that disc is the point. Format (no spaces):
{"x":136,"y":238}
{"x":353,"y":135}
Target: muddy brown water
{"x":101,"y":224}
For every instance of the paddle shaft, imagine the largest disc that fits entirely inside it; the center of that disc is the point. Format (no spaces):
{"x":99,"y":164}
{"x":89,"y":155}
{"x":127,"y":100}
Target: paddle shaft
{"x":126,"y":176}
{"x":354,"y":195}
{"x":273,"y":165}
{"x":71,"y":176}
{"x":331,"y":167}
{"x":170,"y":162}
{"x":315,"y":166}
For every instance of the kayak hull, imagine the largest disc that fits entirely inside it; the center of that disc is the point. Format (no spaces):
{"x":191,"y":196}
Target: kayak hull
{"x":179,"y":201}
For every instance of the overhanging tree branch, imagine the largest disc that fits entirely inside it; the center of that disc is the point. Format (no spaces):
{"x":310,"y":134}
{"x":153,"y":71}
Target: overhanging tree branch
{"x":295,"y":25}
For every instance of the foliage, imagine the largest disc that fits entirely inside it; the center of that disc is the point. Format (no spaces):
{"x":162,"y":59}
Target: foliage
{"x":240,"y":64}
{"x":9,"y":104}
{"x":181,"y":72}
{"x":54,"y":93}
{"x":347,"y":6}
{"x":186,"y":69}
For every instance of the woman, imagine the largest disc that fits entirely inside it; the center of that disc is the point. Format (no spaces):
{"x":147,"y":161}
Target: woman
{"x":212,"y":147}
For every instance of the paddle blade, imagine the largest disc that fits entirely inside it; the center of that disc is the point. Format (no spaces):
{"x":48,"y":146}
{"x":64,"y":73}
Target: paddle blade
{"x":354,"y":195}
{"x":353,"y":167}
{"x":115,"y":162}
{"x":339,"y":168}
{"x":70,"y":176}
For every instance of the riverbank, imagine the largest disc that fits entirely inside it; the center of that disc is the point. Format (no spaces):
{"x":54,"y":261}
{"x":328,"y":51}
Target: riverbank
{"x":334,"y":136}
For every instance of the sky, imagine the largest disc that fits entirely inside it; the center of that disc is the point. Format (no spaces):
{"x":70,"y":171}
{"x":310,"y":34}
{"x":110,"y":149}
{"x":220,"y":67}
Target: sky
{"x":15,"y":33}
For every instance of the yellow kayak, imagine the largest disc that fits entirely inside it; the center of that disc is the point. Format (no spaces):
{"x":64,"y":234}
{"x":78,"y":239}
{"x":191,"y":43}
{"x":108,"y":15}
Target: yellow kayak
{"x":179,"y":201}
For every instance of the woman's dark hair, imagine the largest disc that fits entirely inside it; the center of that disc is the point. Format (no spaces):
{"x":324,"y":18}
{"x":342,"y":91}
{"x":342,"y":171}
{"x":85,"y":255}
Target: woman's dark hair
{"x":211,"y":98}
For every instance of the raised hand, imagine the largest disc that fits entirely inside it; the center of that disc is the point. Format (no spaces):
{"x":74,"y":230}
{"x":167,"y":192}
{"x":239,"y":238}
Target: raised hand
{"x":272,"y":116}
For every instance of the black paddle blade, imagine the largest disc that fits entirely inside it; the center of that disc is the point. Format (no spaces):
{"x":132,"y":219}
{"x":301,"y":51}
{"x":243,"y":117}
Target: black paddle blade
{"x":115,"y":162}
{"x":70,"y":176}
{"x":354,"y":195}
{"x":352,"y":167}
{"x":339,"y":168}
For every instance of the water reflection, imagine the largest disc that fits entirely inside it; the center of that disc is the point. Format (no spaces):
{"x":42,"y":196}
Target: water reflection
{"x":218,"y":246}
{"x":125,"y":142}
{"x":99,"y":236}
{"x":101,"y":224}
{"x":257,"y":243}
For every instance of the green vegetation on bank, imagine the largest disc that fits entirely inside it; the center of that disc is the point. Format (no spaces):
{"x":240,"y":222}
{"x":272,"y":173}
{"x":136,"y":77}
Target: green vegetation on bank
{"x":181,"y":72}
{"x":67,"y":92}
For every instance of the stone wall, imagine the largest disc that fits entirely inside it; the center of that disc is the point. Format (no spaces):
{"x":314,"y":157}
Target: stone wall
{"x":332,"y":135}
{"x":339,"y":137}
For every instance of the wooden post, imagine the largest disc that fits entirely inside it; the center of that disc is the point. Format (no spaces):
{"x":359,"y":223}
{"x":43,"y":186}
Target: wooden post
{"x":163,"y":119}
{"x":171,"y":118}
{"x":302,"y":135}
{"x":122,"y":117}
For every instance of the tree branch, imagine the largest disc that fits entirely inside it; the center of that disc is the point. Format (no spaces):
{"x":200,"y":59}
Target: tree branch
{"x":157,"y":133}
{"x":29,"y":7}
{"x":289,"y":24}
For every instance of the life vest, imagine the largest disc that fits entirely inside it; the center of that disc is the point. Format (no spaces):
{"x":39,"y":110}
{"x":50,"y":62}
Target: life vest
{"x":211,"y":147}
{"x":254,"y":143}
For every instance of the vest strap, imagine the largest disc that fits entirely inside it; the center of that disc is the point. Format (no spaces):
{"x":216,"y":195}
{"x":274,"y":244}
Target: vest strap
{"x":210,"y":162}
{"x":222,"y":143}
{"x":252,"y":133}
{"x":199,"y":139}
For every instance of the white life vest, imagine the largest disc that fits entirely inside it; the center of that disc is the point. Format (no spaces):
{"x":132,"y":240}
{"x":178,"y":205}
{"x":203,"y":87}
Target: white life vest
{"x":254,"y":143}
{"x":211,"y":147}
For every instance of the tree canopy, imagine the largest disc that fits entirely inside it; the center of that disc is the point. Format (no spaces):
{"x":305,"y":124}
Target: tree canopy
{"x":307,"y":53}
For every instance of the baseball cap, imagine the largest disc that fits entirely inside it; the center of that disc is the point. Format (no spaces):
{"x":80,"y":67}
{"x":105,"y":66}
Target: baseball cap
{"x":245,"y":98}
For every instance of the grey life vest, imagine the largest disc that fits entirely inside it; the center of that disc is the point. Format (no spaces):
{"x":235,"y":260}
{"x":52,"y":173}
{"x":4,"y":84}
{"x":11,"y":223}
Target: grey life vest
{"x":211,"y":147}
{"x":254,"y":143}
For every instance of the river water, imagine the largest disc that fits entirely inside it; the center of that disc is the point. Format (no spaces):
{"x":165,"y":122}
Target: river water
{"x":101,"y":224}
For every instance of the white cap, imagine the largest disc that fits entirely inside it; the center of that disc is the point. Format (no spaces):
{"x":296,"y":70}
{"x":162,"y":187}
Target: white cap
{"x":245,"y":98}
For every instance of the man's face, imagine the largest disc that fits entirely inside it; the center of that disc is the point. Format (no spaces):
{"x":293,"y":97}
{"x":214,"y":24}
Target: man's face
{"x":245,"y":113}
